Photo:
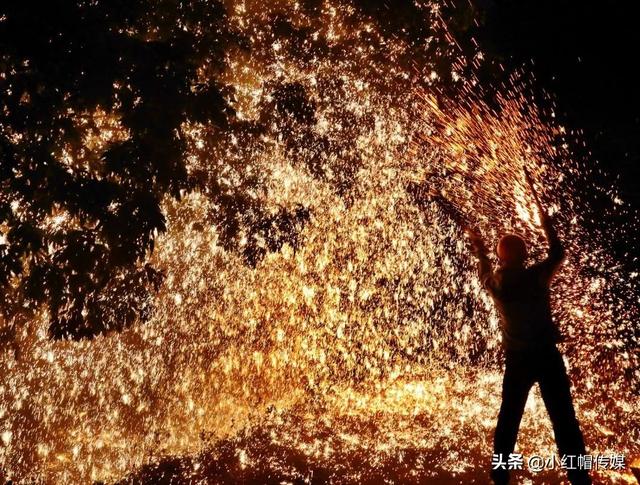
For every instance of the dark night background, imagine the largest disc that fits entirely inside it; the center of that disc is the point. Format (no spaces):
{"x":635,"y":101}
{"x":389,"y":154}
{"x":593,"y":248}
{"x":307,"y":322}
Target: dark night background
{"x":586,"y":53}
{"x":583,"y":56}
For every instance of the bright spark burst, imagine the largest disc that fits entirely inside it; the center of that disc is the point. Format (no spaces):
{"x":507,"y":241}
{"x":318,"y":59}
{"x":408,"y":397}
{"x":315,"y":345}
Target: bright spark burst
{"x":375,"y":333}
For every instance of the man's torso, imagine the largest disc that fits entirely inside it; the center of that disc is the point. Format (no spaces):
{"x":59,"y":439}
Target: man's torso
{"x":522,"y":299}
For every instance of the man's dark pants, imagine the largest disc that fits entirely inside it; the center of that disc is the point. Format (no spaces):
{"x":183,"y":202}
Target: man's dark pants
{"x":522,"y":370}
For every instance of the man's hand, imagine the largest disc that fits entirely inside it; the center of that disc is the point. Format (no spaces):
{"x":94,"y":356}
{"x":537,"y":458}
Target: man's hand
{"x":547,"y":221}
{"x":479,"y":250}
{"x":478,"y":247}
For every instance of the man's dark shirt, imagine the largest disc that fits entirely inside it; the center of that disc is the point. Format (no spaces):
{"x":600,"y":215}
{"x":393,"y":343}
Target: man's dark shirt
{"x":521,"y":296}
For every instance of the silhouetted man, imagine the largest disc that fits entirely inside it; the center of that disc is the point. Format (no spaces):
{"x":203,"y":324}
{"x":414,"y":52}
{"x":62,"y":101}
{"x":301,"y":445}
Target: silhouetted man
{"x":529,"y":337}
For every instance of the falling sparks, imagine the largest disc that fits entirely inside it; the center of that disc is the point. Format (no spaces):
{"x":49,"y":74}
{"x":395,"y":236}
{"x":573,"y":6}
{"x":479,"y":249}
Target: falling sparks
{"x":375,"y":332}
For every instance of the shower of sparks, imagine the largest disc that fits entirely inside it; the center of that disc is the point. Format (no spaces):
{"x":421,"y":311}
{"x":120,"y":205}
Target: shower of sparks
{"x":373,"y":336}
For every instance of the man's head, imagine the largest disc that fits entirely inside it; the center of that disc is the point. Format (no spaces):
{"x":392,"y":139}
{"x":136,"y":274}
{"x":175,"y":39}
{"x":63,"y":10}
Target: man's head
{"x":512,"y":250}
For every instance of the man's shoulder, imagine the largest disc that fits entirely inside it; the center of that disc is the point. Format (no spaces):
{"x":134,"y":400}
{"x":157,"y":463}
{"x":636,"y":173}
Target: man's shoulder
{"x":538,"y":268}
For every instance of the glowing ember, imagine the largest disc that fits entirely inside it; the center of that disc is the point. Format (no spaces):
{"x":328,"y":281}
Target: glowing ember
{"x":374,"y":333}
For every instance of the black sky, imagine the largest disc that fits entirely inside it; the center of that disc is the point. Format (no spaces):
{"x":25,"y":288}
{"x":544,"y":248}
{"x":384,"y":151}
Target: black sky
{"x":586,"y":54}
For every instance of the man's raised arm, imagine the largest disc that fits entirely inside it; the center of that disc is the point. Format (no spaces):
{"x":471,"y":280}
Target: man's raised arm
{"x":485,"y":270}
{"x":556,"y":249}
{"x":556,"y":253}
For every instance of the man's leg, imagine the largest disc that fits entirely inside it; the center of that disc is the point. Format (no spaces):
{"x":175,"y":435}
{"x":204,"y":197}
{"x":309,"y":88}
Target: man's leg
{"x":556,"y":393}
{"x":515,"y":388}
